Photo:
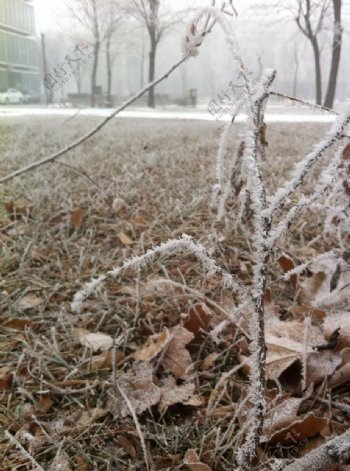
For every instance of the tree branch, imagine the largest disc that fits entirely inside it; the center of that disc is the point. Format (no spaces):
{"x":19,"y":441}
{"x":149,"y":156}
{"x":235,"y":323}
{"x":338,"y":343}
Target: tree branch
{"x":335,"y":451}
{"x":93,"y":131}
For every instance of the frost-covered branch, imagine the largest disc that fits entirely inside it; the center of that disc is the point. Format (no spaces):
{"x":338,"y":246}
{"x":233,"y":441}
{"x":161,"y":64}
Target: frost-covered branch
{"x":326,"y":181}
{"x":172,"y":247}
{"x":256,"y":188}
{"x":221,"y":197}
{"x":305,"y":103}
{"x":336,"y":451}
{"x":94,"y":130}
{"x":298,"y":270}
{"x":302,"y":169}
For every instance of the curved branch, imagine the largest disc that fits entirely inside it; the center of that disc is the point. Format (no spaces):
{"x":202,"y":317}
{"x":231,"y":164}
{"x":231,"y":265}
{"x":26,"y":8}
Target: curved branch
{"x":93,"y":131}
{"x":335,"y":451}
{"x":171,"y":247}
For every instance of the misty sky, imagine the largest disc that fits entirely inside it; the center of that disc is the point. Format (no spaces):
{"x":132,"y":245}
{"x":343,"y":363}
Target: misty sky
{"x":46,"y":19}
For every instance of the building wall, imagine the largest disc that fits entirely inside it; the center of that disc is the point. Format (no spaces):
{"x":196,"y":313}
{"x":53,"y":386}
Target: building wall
{"x":19,"y":51}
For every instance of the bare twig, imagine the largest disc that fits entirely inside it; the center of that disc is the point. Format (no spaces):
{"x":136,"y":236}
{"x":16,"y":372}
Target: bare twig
{"x":333,"y":452}
{"x":80,"y":172}
{"x":23,"y":451}
{"x":304,"y":102}
{"x":171,"y":247}
{"x":93,"y":131}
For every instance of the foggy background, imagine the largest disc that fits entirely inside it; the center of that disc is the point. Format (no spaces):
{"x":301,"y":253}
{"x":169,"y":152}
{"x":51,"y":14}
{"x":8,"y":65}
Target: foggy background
{"x":266,"y":30}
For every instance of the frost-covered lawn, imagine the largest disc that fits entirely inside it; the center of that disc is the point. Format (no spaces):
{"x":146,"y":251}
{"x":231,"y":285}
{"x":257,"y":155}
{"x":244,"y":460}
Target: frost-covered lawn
{"x":277,"y":113}
{"x":135,"y":184}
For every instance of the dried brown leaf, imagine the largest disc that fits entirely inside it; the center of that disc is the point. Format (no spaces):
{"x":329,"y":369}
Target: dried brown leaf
{"x":312,"y":286}
{"x":76,"y":218}
{"x":30,"y":301}
{"x":6,"y":379}
{"x":137,"y":384}
{"x":90,"y":416}
{"x":342,"y":375}
{"x":127,"y":446}
{"x":105,"y":360}
{"x":124,"y":239}
{"x":321,"y":365}
{"x":19,"y":323}
{"x":281,"y":416}
{"x":176,"y":357}
{"x":209,"y":361}
{"x":287,"y":264}
{"x":45,"y":404}
{"x":81,"y":464}
{"x":199,"y":317}
{"x":153,"y":347}
{"x":17,"y":212}
{"x":304,"y":427}
{"x":138,"y":221}
{"x":191,"y":460}
{"x":118,"y":205}
{"x":95,"y":341}
{"x":338,"y":320}
{"x":171,"y":394}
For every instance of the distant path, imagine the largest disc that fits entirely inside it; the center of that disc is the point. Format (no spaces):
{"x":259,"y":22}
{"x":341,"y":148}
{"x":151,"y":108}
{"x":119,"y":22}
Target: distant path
{"x":286,"y":116}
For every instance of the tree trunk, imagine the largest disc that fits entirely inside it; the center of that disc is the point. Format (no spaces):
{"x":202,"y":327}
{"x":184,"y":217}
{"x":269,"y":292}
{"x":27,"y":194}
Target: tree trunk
{"x":142,"y":67}
{"x":109,"y":73}
{"x":152,"y":68}
{"x":48,"y":93}
{"x":336,"y":52}
{"x":318,"y":71}
{"x":94,"y":73}
{"x":295,"y":79}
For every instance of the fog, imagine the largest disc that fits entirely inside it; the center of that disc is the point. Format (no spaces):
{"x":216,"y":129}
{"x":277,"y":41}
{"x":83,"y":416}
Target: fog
{"x":268,"y":37}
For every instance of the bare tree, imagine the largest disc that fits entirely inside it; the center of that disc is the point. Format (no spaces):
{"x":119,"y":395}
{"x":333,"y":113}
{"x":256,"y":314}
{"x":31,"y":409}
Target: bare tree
{"x":157,"y":21}
{"x":113,"y":22}
{"x":296,"y":69}
{"x":310,"y":20}
{"x":98,"y":19}
{"x":336,"y":53}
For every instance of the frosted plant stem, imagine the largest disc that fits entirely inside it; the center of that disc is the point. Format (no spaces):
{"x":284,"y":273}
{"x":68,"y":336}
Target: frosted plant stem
{"x":335,"y":451}
{"x":23,"y":451}
{"x":326,"y":181}
{"x":175,"y":246}
{"x":302,"y":169}
{"x":262,"y":227}
{"x":305,"y":103}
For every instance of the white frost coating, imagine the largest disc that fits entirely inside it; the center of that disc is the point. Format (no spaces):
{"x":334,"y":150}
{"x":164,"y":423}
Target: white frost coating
{"x":216,"y":191}
{"x":220,"y":158}
{"x":195,"y":38}
{"x":338,"y":204}
{"x":88,"y":289}
{"x":214,"y":333}
{"x":301,"y":169}
{"x":334,"y":451}
{"x":256,"y":188}
{"x":327,"y":179}
{"x":301,"y":268}
{"x":174,"y":246}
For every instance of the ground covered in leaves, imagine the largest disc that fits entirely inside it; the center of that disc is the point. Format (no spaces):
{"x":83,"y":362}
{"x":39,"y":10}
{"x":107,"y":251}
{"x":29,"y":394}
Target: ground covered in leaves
{"x":137,"y":378}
